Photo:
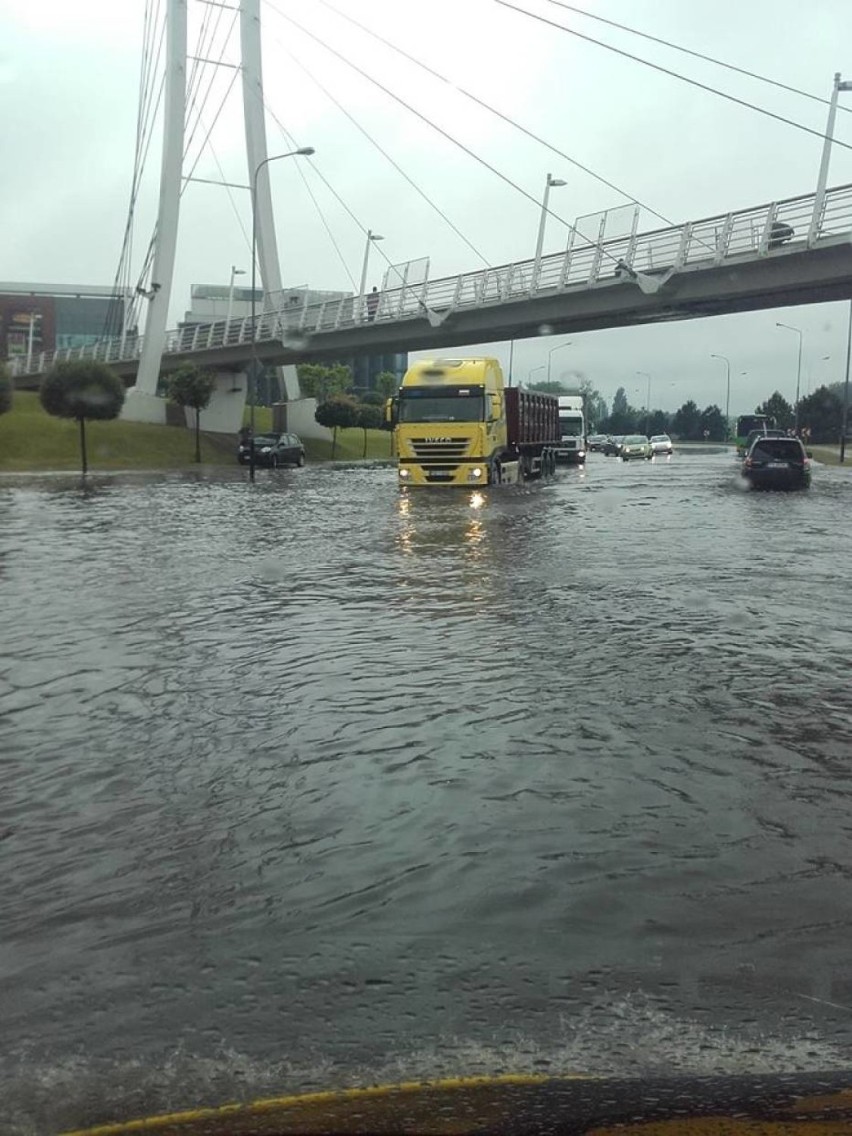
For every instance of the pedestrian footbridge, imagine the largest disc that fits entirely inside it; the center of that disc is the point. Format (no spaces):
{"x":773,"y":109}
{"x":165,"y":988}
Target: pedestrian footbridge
{"x":795,"y":251}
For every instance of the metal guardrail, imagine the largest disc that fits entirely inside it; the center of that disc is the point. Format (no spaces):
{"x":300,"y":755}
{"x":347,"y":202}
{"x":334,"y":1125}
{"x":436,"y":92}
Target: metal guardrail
{"x":748,"y":233}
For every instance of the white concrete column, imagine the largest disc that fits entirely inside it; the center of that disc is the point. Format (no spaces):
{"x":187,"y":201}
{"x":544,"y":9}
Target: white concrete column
{"x":167,"y":217}
{"x":256,"y":153}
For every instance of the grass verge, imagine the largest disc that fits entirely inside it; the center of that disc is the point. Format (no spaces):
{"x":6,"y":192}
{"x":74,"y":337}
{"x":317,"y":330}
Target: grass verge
{"x":32,"y":440}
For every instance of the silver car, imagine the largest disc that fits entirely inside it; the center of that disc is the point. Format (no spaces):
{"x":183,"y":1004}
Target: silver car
{"x":661,"y":444}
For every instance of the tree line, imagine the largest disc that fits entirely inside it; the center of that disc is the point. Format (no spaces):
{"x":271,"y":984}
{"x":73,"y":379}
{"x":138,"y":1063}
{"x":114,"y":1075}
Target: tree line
{"x":689,"y":423}
{"x":820,"y":414}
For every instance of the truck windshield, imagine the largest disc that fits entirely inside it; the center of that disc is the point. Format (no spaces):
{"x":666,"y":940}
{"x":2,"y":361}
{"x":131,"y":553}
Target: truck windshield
{"x":429,"y":404}
{"x":570,"y":427}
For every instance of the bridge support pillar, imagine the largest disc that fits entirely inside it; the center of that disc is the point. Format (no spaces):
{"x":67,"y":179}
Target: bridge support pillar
{"x":224,"y":413}
{"x":140,"y":406}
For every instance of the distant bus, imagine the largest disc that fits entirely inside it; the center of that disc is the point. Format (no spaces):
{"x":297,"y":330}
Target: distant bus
{"x":748,"y":422}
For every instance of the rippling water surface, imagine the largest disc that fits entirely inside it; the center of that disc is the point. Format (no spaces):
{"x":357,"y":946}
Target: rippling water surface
{"x":311,"y":782}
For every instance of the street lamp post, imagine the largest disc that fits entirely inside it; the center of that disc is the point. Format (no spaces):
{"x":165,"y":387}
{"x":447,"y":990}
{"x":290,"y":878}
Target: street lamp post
{"x":822,"y":180}
{"x":533,"y":371}
{"x":30,"y":336}
{"x":551,"y":183}
{"x":727,"y":363}
{"x":558,"y":347}
{"x":371,"y":237}
{"x":304,"y":151}
{"x":234,"y":272}
{"x":647,"y":400}
{"x":798,"y":370}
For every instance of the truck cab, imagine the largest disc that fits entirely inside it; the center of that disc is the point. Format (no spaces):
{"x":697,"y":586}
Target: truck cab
{"x":572,"y":430}
{"x":456,"y":423}
{"x":449,"y":421}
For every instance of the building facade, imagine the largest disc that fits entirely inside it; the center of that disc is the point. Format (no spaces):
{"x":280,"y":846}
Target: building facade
{"x":45,"y":317}
{"x":218,"y":302}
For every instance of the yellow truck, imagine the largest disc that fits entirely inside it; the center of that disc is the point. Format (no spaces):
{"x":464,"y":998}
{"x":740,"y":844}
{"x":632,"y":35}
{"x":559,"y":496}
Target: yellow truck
{"x":457,"y":423}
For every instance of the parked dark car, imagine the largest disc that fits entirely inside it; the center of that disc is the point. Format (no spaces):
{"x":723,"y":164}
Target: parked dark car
{"x":777,"y":463}
{"x":612,"y":446}
{"x":272,"y":450}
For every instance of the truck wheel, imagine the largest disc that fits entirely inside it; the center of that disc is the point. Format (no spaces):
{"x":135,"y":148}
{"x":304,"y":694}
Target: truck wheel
{"x":522,"y":473}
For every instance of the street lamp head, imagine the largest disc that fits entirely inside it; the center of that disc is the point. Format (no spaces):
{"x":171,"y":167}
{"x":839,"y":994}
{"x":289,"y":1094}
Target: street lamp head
{"x":306,"y":151}
{"x":552,"y":181}
{"x":376,"y":237}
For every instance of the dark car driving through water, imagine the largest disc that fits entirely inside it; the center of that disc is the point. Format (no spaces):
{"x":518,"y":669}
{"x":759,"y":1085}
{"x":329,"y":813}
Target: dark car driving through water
{"x":777,"y":463}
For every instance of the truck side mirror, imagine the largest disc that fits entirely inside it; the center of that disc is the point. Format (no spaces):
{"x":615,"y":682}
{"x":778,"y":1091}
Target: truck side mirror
{"x":391,"y":412}
{"x":496,"y":408}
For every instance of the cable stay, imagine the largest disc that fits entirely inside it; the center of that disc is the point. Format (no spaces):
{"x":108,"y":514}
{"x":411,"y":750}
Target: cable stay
{"x":497,"y":113}
{"x":450,"y":138}
{"x":411,"y":181}
{"x":674,"y":74}
{"x":697,"y":55}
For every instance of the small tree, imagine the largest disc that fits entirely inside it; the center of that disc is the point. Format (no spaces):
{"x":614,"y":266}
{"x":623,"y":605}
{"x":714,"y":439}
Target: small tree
{"x":372,"y":398}
{"x":5,"y":389}
{"x":686,"y":423}
{"x":83,"y":390}
{"x":777,"y":407}
{"x":713,"y":423}
{"x":370,"y":417}
{"x":339,"y":412}
{"x":822,"y":413}
{"x":190,"y":386}
{"x":322,"y":383}
{"x":386,"y":384}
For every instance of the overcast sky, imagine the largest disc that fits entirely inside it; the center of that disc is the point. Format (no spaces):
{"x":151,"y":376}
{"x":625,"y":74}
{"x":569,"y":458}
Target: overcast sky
{"x":69,"y":75}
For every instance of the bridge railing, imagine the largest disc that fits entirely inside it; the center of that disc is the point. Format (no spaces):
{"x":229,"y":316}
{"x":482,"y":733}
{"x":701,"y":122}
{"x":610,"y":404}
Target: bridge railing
{"x":580,"y":265}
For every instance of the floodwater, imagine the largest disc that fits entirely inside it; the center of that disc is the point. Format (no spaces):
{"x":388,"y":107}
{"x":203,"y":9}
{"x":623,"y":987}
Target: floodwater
{"x":312,"y":783}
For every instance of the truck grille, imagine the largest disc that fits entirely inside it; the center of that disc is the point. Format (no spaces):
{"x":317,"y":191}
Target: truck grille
{"x":452,"y":448}
{"x":435,"y":474}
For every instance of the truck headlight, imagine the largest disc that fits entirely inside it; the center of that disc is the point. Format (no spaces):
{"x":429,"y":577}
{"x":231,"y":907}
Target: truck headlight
{"x":404,"y":473}
{"x":475,"y":473}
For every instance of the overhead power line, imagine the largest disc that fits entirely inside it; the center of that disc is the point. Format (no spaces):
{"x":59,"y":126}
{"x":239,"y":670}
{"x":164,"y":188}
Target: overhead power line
{"x":674,"y":74}
{"x":696,"y":54}
{"x":497,"y":113}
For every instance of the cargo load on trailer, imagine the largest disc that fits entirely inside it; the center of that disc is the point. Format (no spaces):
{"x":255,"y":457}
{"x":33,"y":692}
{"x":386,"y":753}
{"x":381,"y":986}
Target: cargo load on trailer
{"x":457,"y":423}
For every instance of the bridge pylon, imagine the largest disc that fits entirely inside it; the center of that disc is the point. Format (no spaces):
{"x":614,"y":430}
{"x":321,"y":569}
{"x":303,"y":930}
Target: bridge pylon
{"x":142,"y":403}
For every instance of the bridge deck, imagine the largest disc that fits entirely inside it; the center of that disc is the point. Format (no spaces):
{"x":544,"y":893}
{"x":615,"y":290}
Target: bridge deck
{"x":768,"y":256}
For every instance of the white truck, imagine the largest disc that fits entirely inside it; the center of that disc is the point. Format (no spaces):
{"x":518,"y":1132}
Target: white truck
{"x":572,"y":430}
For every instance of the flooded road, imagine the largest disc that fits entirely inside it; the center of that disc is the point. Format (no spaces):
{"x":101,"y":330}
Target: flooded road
{"x":311,"y":783}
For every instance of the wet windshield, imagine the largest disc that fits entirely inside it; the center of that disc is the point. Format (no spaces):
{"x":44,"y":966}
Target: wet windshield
{"x":430,"y":742}
{"x":420,"y":406}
